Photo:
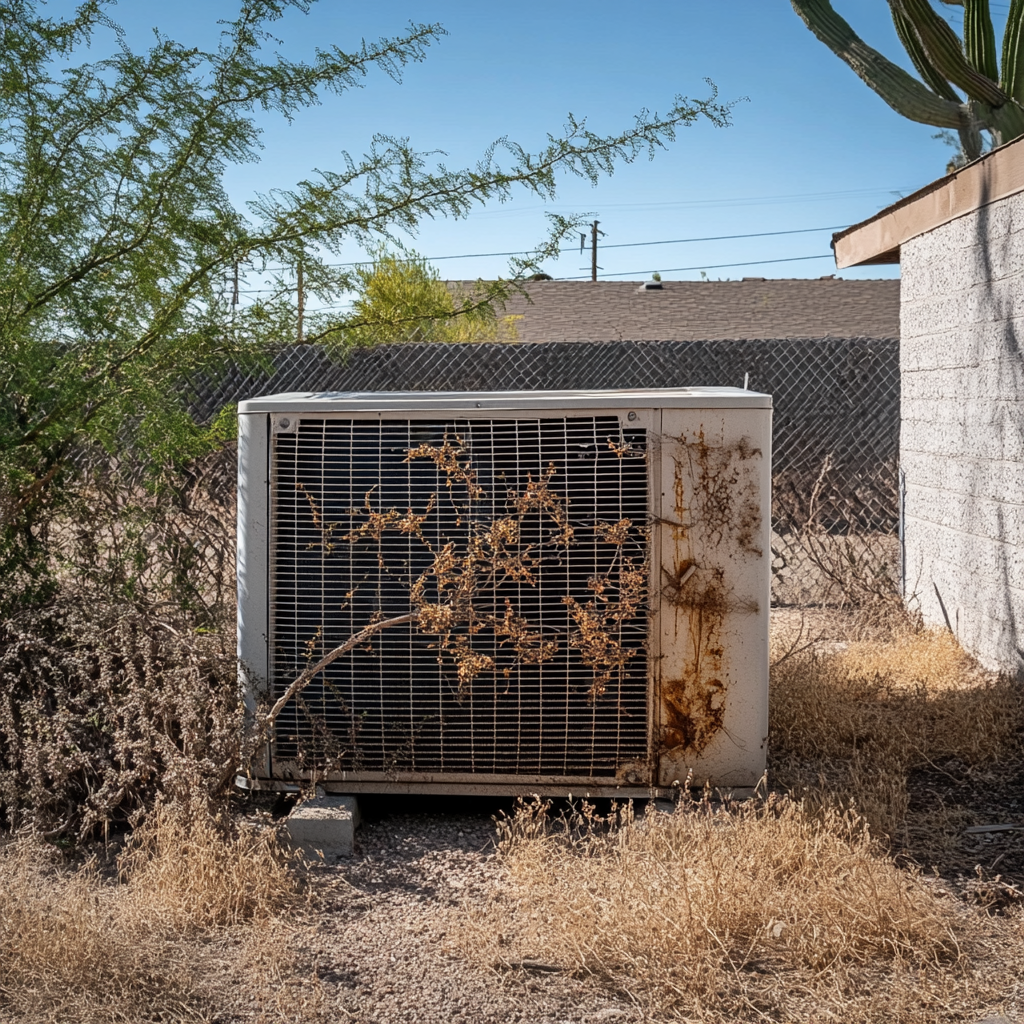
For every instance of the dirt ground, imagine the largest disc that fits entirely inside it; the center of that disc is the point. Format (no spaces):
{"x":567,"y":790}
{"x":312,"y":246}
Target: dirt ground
{"x":383,"y":937}
{"x":382,"y":934}
{"x":960,"y":797}
{"x":386,"y":934}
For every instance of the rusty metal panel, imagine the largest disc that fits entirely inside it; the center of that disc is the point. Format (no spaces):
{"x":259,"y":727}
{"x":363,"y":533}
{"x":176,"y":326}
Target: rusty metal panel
{"x":713,"y":595}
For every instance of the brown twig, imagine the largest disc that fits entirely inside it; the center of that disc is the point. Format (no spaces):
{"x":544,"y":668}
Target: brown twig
{"x":353,"y":641}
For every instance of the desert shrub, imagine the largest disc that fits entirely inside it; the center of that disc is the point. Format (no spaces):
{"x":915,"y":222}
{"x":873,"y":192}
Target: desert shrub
{"x":144,"y":537}
{"x":102,"y":709}
{"x":835,"y":539}
{"x":119,"y":684}
{"x":753,"y":912}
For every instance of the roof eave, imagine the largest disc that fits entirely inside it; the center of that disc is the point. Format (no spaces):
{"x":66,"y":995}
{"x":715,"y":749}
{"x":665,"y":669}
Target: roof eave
{"x":995,"y":176}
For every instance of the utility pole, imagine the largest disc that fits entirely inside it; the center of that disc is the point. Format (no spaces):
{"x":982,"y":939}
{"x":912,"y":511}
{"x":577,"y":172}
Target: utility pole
{"x":302,"y":303}
{"x":594,"y":268}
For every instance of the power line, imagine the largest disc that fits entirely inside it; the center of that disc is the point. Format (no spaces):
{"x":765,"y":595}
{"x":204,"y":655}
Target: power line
{"x":724,"y":238}
{"x":706,"y":266}
{"x":692,"y":203}
{"x":705,"y":203}
{"x":668,"y":270}
{"x":617,"y":245}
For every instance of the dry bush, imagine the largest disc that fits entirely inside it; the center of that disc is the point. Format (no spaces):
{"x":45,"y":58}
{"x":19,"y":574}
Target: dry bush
{"x":200,"y":872}
{"x":102,"y":709}
{"x":149,"y":540}
{"x":848,"y":723}
{"x":75,"y":946}
{"x":834,"y":534}
{"x":762,"y":911}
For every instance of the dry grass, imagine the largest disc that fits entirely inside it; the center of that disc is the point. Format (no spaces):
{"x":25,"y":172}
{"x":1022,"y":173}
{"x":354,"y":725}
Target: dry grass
{"x":849,"y":722}
{"x":74,"y":949}
{"x":758,"y":912}
{"x":158,"y":944}
{"x":791,"y":907}
{"x":199,"y":872}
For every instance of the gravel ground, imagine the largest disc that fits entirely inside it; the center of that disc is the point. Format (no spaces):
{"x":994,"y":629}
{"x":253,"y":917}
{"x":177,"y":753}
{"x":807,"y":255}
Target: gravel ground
{"x":384,"y":928}
{"x":385,"y":939}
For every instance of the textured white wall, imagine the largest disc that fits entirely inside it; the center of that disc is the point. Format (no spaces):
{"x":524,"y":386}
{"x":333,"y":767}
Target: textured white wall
{"x":962,"y":434}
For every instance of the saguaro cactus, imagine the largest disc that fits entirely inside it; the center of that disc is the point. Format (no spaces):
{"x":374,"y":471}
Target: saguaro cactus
{"x":961,"y":84}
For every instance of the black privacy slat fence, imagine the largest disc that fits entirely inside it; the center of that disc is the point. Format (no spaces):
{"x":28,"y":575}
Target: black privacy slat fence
{"x":836,"y":421}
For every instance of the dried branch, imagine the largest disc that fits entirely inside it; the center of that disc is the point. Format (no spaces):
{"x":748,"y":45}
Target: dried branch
{"x":299,"y":684}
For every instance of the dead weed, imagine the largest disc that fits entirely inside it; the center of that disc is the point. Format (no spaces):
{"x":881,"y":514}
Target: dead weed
{"x":173,"y":937}
{"x":764,"y":911}
{"x":849,"y":721}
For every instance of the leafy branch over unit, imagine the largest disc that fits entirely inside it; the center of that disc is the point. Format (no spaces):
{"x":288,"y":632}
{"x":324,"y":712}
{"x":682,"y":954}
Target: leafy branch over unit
{"x":962,"y":84}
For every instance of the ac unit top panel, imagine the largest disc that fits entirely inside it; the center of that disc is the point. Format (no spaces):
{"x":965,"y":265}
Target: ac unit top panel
{"x":427,"y":401}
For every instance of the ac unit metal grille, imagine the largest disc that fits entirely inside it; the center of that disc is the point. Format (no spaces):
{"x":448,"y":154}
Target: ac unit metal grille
{"x":398,"y":705}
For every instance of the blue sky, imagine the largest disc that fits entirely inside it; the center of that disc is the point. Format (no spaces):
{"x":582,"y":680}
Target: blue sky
{"x":810,"y":148}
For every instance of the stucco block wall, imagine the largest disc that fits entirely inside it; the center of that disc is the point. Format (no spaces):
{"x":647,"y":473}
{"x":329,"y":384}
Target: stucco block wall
{"x":962,"y":433}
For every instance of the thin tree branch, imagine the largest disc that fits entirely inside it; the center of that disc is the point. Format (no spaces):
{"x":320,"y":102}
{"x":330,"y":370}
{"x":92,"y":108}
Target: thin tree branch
{"x":355,"y":640}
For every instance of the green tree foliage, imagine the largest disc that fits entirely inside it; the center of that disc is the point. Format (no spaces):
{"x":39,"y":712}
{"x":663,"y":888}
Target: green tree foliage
{"x":962,"y":84}
{"x":117,"y":234}
{"x":404,"y":299}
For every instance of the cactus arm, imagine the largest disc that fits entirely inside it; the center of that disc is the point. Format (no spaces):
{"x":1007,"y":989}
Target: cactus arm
{"x":912,"y":44}
{"x":905,"y":94}
{"x":969,"y":131}
{"x":943,"y":47}
{"x":970,"y":139}
{"x":1005,"y":122}
{"x":980,"y":38}
{"x":1013,"y":52}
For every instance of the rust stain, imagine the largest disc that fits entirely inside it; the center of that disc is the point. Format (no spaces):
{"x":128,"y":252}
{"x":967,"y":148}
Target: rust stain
{"x":633,"y":773}
{"x":748,"y":525}
{"x":725,"y":496}
{"x":693,"y":705}
{"x":694,"y":713}
{"x":722,"y":509}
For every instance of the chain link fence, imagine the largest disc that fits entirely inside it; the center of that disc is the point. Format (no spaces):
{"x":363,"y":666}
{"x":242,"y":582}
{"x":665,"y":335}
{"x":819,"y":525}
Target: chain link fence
{"x":835,"y":506}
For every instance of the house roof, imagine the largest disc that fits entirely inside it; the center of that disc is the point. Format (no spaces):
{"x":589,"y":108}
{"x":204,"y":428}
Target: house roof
{"x":707,"y":310}
{"x":995,"y":176}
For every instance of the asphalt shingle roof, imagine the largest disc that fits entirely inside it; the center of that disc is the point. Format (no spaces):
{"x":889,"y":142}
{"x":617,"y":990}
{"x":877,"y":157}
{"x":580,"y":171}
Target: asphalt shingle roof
{"x":707,"y":310}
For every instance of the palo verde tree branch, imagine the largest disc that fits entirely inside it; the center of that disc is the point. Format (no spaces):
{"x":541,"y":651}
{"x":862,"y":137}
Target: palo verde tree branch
{"x":117,"y":235}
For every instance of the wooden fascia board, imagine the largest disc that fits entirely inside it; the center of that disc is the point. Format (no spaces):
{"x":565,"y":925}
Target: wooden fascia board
{"x":995,"y":176}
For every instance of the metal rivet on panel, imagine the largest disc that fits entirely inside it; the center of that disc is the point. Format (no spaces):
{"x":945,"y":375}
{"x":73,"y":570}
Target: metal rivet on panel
{"x":631,"y":417}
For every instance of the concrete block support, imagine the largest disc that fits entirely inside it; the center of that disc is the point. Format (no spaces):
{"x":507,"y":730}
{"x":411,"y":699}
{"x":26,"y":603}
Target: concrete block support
{"x":325,"y":826}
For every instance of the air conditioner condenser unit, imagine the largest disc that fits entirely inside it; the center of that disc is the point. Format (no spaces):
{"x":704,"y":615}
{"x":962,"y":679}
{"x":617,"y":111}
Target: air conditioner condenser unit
{"x":570,"y":590}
